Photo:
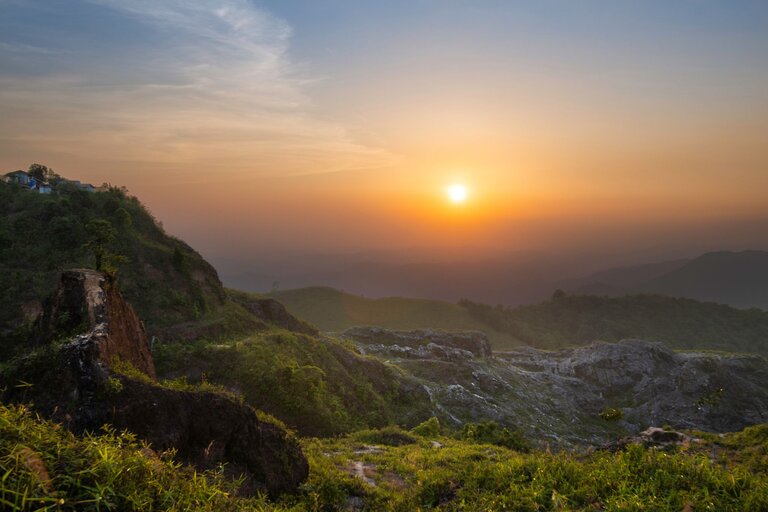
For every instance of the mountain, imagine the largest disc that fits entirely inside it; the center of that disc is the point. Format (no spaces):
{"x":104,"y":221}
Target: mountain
{"x":572,"y":320}
{"x":334,"y":310}
{"x":616,"y":281}
{"x":510,"y":279}
{"x":739,"y":279}
{"x":736,"y":278}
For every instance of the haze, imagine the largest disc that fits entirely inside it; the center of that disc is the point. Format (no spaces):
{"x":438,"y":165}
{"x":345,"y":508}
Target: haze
{"x":268,"y":133}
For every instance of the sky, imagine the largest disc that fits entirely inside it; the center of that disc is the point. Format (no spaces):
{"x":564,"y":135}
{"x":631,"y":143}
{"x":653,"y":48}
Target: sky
{"x":256,"y":128}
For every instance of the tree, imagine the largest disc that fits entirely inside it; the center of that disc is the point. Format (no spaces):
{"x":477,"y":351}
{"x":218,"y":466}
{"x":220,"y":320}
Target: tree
{"x":41,"y":172}
{"x":101,"y":234}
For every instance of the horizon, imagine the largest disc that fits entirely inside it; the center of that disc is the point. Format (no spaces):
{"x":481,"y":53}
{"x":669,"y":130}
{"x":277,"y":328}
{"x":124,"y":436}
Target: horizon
{"x":262,"y":131}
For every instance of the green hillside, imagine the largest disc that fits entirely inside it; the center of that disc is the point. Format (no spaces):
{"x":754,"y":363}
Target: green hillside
{"x":319,"y":387}
{"x":567,"y":320}
{"x":334,"y":310}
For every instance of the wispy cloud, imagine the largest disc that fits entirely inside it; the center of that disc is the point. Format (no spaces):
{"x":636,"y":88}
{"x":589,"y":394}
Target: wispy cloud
{"x":219,"y":90}
{"x":21,"y":48}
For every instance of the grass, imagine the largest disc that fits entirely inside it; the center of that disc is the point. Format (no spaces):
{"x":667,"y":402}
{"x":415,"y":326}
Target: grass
{"x":316,"y":386}
{"x":44,"y":467}
{"x":462,"y":476}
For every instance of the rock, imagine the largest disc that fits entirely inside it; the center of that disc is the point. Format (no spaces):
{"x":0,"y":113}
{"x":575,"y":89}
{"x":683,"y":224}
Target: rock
{"x":556,"y":397}
{"x":474,"y":342}
{"x":272,"y":312}
{"x":652,"y":437}
{"x":86,"y":302}
{"x":209,"y":429}
{"x":74,"y":384}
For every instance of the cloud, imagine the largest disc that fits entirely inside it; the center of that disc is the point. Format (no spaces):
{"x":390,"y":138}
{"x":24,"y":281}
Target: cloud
{"x":216,"y":88}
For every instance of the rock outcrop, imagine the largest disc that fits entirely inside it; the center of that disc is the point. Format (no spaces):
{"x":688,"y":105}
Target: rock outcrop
{"x":474,"y":342}
{"x":86,"y":303}
{"x":653,"y":437}
{"x":75,"y":384}
{"x":557,"y":397}
{"x":272,"y":312}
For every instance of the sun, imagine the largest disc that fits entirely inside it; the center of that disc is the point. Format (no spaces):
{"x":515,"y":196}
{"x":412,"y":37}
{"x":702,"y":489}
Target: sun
{"x":457,"y":193}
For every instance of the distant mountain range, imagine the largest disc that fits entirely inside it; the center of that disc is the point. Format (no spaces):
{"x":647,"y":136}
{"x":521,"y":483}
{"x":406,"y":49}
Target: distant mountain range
{"x":562,"y":321}
{"x":739,"y":279}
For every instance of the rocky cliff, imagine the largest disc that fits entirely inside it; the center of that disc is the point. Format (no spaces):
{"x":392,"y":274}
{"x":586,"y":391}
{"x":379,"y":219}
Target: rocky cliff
{"x":75,"y":382}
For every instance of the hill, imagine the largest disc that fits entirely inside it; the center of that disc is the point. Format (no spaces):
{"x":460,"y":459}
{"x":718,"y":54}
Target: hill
{"x":736,"y":278}
{"x":334,"y":310}
{"x":739,"y":279}
{"x":41,"y":234}
{"x":615,"y":281}
{"x":568,"y":320}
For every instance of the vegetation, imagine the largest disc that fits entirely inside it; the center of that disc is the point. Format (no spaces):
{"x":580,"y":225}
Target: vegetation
{"x":567,"y":320}
{"x":44,"y":467}
{"x":334,"y":310}
{"x":490,"y":432}
{"x":316,"y":386}
{"x":166,"y":280}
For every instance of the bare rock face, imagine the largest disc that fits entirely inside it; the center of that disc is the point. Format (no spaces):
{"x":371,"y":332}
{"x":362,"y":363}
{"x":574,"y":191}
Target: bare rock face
{"x":448,"y":343}
{"x":85,"y":302}
{"x":73,"y":384}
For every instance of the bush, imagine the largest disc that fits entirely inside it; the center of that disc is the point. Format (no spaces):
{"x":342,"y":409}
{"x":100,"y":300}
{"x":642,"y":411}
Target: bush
{"x":490,"y":432}
{"x":387,"y":436}
{"x":429,"y":428}
{"x":612,"y":414}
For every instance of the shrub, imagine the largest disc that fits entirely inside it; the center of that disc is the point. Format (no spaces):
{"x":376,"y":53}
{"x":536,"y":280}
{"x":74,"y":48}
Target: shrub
{"x":612,"y":414}
{"x":429,"y":428}
{"x":388,"y":436}
{"x":490,"y":432}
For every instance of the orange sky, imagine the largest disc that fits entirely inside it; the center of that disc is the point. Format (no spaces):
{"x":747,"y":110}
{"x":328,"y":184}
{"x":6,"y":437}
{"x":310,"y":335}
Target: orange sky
{"x":264,"y":126}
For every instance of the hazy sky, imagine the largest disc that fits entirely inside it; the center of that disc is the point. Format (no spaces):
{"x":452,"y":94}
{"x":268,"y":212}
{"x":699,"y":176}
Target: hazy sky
{"x":264,"y":126}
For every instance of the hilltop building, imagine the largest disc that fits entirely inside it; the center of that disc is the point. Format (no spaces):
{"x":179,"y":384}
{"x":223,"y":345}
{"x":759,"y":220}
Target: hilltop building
{"x":27,"y":181}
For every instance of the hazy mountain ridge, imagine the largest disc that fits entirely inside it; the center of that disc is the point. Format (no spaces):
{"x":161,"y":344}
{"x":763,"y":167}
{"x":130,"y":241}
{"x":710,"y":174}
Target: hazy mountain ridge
{"x":739,"y":279}
{"x":568,"y":320}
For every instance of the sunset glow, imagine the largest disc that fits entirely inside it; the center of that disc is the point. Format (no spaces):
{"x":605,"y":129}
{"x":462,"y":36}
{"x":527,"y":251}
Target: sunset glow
{"x":573,"y":126}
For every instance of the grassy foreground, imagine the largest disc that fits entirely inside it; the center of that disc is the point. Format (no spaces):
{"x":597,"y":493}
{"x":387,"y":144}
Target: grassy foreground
{"x":43,"y":467}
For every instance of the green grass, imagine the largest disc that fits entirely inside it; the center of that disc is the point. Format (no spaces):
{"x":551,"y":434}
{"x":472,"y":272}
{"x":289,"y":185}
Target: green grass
{"x":334,"y":310}
{"x":462,"y":476}
{"x":44,"y":467}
